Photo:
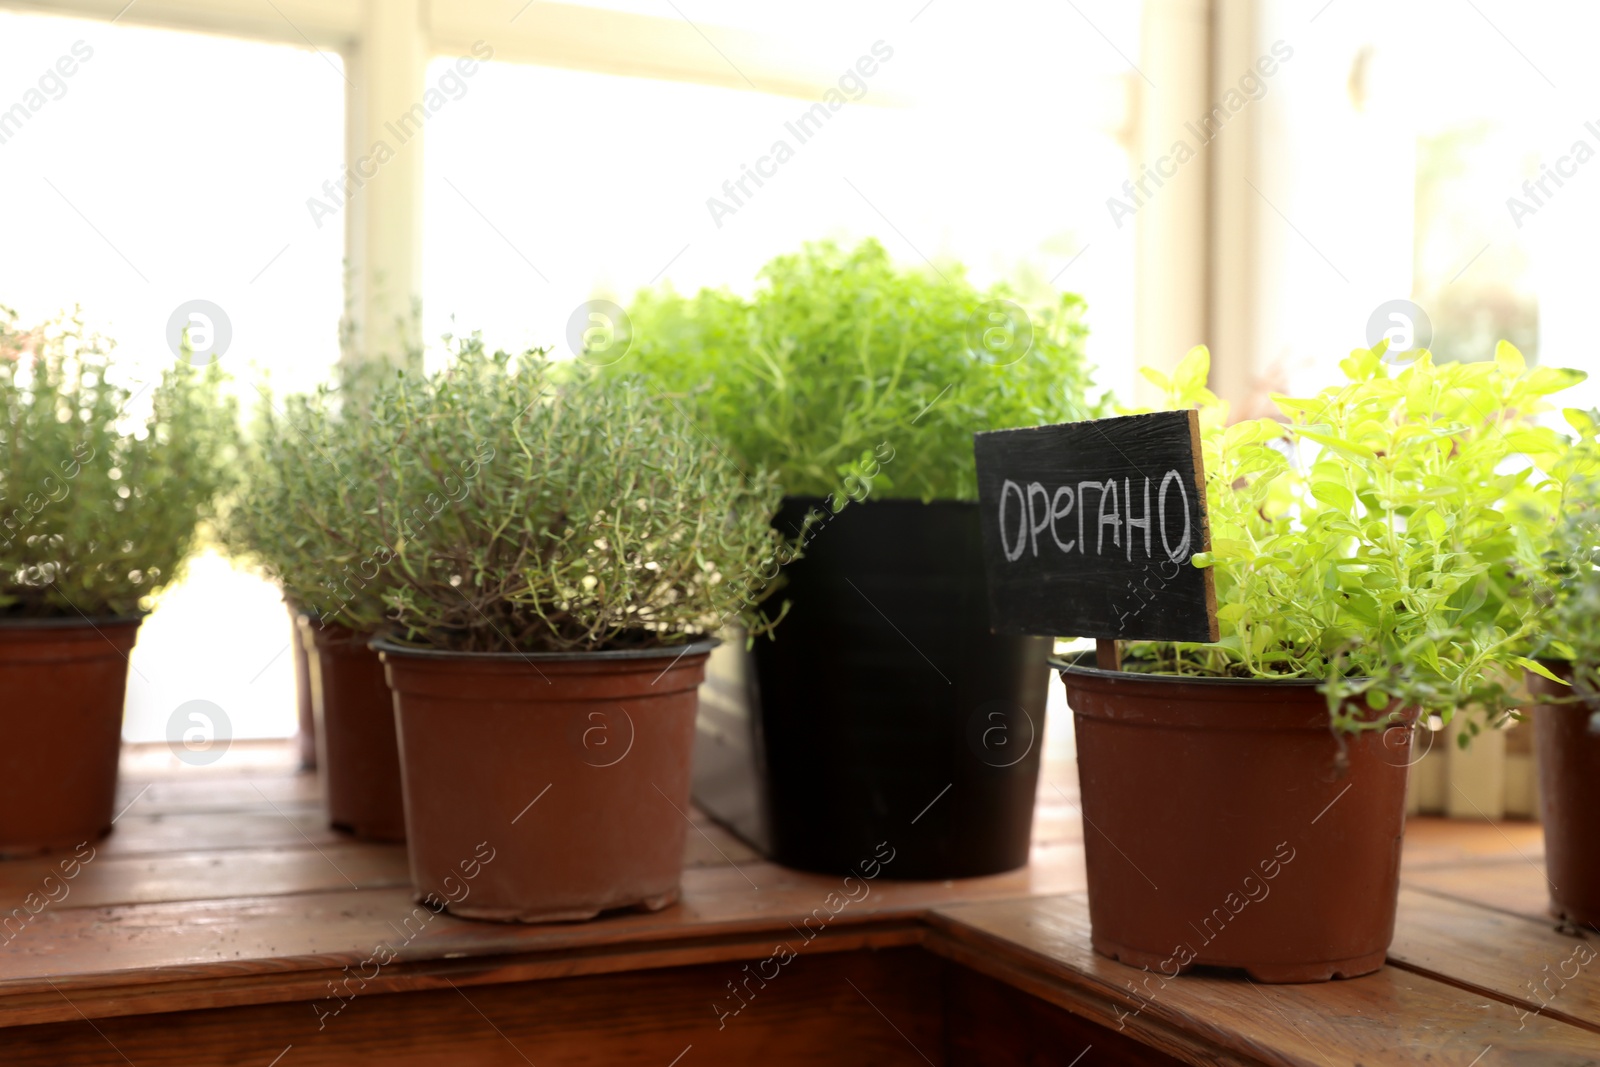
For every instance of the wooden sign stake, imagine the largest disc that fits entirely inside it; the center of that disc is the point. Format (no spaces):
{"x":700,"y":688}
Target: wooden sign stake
{"x":1108,"y":655}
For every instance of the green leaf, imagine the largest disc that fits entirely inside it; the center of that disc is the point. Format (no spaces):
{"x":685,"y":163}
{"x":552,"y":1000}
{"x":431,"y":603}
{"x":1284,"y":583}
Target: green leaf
{"x":1540,"y":669}
{"x":1335,"y":495}
{"x":1156,"y":378}
{"x":1295,"y":406}
{"x":1509,"y":359}
{"x":1192,"y":371}
{"x":1348,"y":449}
{"x":1229,"y":548}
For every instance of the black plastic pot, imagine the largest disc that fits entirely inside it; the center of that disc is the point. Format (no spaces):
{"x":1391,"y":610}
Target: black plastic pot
{"x":888,"y":711}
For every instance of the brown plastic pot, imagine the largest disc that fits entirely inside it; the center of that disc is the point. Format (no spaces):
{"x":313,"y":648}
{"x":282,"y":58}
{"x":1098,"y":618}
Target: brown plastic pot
{"x":355,"y":734}
{"x":570,"y":771}
{"x":1568,"y":748}
{"x":306,"y":718}
{"x":62,"y":687}
{"x":1227,"y":825}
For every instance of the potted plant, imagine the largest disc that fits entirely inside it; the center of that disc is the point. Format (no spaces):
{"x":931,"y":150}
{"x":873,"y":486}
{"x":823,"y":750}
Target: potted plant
{"x":101,"y":488}
{"x":861,"y":383}
{"x":558,"y":554}
{"x":1245,"y":799}
{"x":311,"y":470}
{"x":1566,"y":709}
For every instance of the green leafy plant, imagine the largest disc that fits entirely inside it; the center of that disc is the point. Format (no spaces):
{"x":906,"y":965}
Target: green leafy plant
{"x":839,"y":352}
{"x":1370,"y":541}
{"x":101,"y":486}
{"x":311,"y":473}
{"x":1564,"y":584}
{"x":517,"y":512}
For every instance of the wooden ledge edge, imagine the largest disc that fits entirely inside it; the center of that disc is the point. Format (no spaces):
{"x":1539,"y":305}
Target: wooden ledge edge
{"x":1191,"y":1040}
{"x":157,"y":991}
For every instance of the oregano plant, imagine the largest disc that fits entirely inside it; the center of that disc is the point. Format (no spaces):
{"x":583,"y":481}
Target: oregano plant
{"x":1369,"y":540}
{"x":840,"y":354}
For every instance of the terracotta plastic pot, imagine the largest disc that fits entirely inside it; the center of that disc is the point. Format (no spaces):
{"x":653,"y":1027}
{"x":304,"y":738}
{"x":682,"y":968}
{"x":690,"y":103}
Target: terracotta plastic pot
{"x":355,"y":734}
{"x":1222,"y":826}
{"x":1568,"y":749}
{"x":546,"y":787}
{"x":306,"y":718}
{"x":62,"y":686}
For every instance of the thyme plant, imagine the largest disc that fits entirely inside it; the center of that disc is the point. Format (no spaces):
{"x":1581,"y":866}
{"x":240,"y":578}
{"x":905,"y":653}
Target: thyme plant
{"x":1574,"y":603}
{"x":311,"y":472}
{"x":1370,"y":541}
{"x":518,"y":510}
{"x":840,"y":352}
{"x":1564,"y":583}
{"x":99,"y":498}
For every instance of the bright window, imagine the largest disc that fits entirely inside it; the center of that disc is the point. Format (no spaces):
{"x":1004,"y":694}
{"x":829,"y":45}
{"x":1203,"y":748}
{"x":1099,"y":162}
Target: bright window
{"x":546,"y":187}
{"x":1395,"y":159}
{"x":170,"y":167}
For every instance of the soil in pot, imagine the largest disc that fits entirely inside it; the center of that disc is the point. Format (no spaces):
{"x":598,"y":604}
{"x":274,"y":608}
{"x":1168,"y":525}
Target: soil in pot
{"x":355,"y":734}
{"x":546,"y":787}
{"x":888,"y":710}
{"x":63,"y":684}
{"x":1567,"y":741}
{"x":1226,"y":824}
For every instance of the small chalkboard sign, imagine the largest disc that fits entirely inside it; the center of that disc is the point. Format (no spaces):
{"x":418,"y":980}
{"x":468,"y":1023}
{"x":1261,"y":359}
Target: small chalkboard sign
{"x":1089,"y":527}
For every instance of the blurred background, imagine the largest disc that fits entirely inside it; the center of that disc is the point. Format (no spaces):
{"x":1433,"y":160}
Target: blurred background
{"x":1275,"y":178}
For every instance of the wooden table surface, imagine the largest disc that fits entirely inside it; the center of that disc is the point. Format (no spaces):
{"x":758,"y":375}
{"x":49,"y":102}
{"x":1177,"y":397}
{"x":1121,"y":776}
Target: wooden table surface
{"x":223,"y":886}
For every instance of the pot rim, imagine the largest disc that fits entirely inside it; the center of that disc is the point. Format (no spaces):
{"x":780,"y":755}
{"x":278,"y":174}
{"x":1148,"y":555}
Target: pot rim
{"x":386,"y":647}
{"x":1071,"y":664}
{"x":63,"y":622}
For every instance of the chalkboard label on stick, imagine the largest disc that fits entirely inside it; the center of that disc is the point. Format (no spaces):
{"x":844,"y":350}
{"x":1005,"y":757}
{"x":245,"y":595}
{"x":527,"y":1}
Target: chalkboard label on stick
{"x":1089,"y":527}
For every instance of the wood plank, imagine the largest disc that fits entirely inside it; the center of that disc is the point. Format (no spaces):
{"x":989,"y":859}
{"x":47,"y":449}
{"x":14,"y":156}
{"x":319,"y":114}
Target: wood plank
{"x":148,"y":760}
{"x":139,"y":834}
{"x":710,"y":845}
{"x":170,"y":795}
{"x":108,"y":950}
{"x":263,"y":851}
{"x":299,"y":797}
{"x":1514,"y":886}
{"x":1057,"y":823}
{"x":1392,"y":1017}
{"x":307,"y":980}
{"x":1511,"y":957}
{"x":879,"y":1008}
{"x":134,"y":865}
{"x":1432,"y":842}
{"x":110,"y":879}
